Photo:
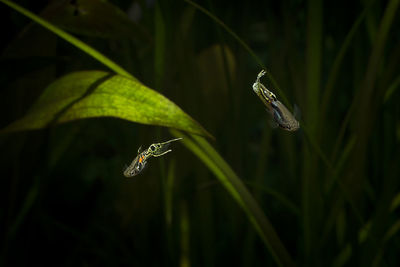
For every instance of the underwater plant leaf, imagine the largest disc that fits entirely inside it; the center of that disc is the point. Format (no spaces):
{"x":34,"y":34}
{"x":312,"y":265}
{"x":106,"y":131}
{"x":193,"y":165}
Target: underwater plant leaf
{"x":199,"y":147}
{"x":90,"y":94}
{"x":243,"y":44}
{"x":69,"y":38}
{"x":238,"y":191}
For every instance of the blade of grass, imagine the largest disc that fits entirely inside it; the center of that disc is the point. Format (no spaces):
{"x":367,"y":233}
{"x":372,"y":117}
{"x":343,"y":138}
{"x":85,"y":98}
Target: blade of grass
{"x":169,"y":192}
{"x":257,"y":59}
{"x":395,"y":202}
{"x":313,"y":61}
{"x":278,"y":196}
{"x":343,"y":257}
{"x":28,"y":202}
{"x":244,"y":45}
{"x":364,"y":103}
{"x":185,"y":235}
{"x":375,"y":58}
{"x":311,"y":196}
{"x":160,"y":44}
{"x":234,"y":186}
{"x":237,"y":189}
{"x":333,"y":174}
{"x":392,"y":88}
{"x":393,"y":230}
{"x":338,"y":61}
{"x":70,"y":39}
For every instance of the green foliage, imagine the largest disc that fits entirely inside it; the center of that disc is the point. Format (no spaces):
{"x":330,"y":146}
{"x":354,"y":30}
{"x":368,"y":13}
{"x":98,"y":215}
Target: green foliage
{"x":327,"y":195}
{"x":91,"y":94}
{"x":236,"y":188}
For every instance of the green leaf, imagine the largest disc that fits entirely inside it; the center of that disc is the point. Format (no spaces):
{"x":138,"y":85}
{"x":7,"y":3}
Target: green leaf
{"x":198,"y":146}
{"x":234,"y":185}
{"x":244,"y":45}
{"x":392,"y":88}
{"x":90,"y":94}
{"x":70,"y":39}
{"x":395,"y":202}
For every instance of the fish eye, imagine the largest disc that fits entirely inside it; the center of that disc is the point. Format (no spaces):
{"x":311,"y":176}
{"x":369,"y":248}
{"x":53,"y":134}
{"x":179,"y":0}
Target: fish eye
{"x":153,"y":148}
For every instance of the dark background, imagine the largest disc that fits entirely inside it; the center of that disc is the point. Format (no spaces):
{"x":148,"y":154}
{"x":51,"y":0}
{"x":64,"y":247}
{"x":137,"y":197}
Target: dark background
{"x":65,"y":202}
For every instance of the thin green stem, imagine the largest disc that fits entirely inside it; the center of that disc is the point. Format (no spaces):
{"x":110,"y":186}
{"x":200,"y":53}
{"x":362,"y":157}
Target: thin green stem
{"x":237,"y":189}
{"x":244,"y":45}
{"x":70,"y":39}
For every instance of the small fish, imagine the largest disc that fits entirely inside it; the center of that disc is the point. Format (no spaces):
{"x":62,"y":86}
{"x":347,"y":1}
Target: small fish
{"x":283,"y":117}
{"x":280,"y":114}
{"x":139,"y":162}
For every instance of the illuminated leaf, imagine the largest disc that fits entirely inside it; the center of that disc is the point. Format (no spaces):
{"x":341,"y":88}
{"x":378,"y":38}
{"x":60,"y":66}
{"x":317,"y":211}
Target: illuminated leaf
{"x":90,"y":94}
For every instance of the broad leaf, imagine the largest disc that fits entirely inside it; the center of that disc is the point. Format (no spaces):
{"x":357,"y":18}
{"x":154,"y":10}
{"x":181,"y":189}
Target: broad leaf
{"x":90,"y":94}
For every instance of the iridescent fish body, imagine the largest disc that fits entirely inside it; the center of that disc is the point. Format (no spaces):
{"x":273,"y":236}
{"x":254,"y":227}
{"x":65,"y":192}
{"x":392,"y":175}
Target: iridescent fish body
{"x":280,"y":114}
{"x":139,"y":162}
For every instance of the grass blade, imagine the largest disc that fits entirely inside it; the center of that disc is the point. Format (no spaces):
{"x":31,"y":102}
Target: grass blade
{"x":244,"y":45}
{"x":330,"y":84}
{"x":70,"y":39}
{"x":239,"y":192}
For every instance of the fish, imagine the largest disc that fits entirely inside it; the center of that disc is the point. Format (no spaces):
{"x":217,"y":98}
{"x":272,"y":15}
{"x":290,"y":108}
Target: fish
{"x":154,"y":150}
{"x":281,"y":116}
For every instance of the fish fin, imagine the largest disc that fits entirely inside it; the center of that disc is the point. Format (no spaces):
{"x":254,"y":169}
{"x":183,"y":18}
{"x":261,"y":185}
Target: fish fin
{"x":124,"y":168}
{"x":273,"y":124}
{"x":296,"y":112}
